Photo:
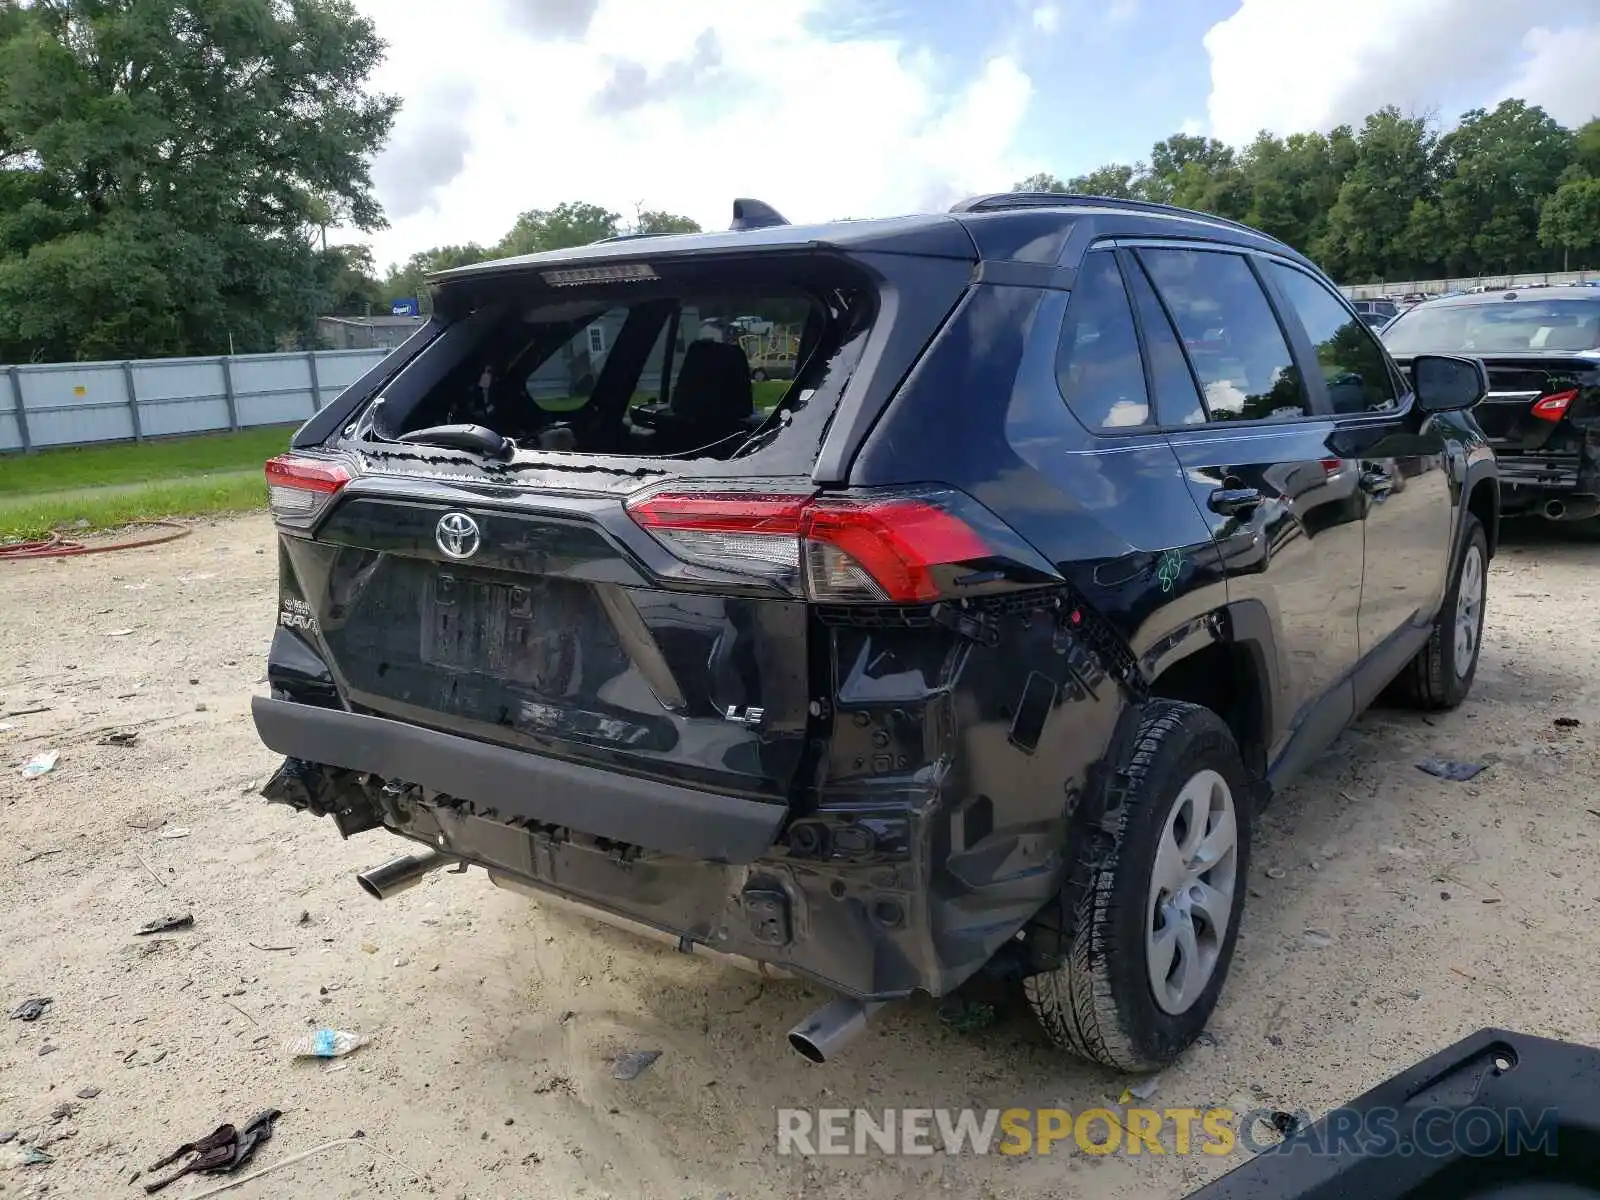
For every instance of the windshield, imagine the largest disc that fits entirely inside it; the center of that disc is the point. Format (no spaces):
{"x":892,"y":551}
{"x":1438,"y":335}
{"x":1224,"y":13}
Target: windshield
{"x":1497,"y":327}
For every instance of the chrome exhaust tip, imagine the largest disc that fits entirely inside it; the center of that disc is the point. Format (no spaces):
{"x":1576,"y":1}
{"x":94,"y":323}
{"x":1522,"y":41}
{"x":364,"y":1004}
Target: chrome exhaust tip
{"x":825,"y":1032}
{"x":398,"y":874}
{"x":1554,"y":510}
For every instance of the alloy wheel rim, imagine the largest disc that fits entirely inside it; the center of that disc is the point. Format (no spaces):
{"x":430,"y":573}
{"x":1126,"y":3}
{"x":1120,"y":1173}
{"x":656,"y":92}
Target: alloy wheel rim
{"x":1192,"y":887}
{"x":1469,"y":611}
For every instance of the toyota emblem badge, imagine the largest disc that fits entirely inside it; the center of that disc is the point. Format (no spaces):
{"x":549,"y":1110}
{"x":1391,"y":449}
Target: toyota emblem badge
{"x":457,"y":535}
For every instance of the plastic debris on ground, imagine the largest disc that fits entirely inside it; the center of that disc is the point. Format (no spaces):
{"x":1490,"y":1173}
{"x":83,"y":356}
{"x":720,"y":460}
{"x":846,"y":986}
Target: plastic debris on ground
{"x":325,"y":1043}
{"x":633,"y":1064}
{"x":165,"y":924}
{"x":16,"y":1155}
{"x":1560,"y":723}
{"x":121,"y":737}
{"x":1455,"y":772}
{"x":172,"y":834}
{"x":40,"y":764}
{"x":222,"y":1151}
{"x":1318,"y":938}
{"x":1145,"y":1088}
{"x":30,"y":1010}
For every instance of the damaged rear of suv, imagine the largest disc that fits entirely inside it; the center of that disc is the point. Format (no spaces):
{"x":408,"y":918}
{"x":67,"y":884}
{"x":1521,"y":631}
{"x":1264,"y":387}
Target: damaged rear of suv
{"x":879,"y":675}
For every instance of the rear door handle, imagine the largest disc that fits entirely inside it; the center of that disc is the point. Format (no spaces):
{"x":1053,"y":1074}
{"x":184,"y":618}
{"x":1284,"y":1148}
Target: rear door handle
{"x":1376,"y":483}
{"x":1232,"y":502}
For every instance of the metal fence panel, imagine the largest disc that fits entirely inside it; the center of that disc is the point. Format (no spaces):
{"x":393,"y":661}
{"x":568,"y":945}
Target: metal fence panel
{"x":269,"y":389}
{"x":76,"y":402}
{"x":67,"y":404}
{"x":180,"y":395}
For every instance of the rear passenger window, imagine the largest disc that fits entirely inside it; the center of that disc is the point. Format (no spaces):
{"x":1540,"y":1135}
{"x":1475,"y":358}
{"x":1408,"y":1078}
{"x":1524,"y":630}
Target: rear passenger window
{"x":1098,"y":365}
{"x":1352,"y":362}
{"x":1230,"y":334}
{"x":1177,"y":399}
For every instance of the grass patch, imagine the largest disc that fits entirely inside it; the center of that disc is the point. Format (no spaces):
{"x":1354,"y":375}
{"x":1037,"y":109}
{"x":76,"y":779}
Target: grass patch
{"x":122,"y":484}
{"x":166,"y":461}
{"x":26,"y":517}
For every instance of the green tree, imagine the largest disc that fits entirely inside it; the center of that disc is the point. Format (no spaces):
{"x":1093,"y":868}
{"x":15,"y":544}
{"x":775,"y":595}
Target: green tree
{"x":167,"y":167}
{"x":1370,"y":222}
{"x":1117,"y":180}
{"x":1496,"y":170}
{"x":352,"y":286}
{"x":406,"y":281}
{"x":1586,"y":149}
{"x":653,"y":221}
{"x":1184,"y":167}
{"x":569,"y":224}
{"x":1570,"y":221}
{"x":1041,"y":181}
{"x":1294,"y":184}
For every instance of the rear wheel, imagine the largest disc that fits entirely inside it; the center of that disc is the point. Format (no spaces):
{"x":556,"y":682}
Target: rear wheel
{"x":1152,"y":926}
{"x":1441,"y":674}
{"x":759,"y":375}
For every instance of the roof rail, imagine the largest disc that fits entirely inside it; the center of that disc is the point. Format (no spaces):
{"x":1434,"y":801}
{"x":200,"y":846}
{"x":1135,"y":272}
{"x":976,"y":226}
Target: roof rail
{"x":1002,"y":201}
{"x":755,"y":214}
{"x":625,"y":237}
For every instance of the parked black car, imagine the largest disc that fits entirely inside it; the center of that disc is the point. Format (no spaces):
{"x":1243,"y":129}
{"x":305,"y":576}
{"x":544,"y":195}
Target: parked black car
{"x":1542,"y":415}
{"x":1083,"y":525}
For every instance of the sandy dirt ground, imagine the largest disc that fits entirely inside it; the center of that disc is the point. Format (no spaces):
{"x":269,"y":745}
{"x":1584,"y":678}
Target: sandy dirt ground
{"x":1446,"y":907}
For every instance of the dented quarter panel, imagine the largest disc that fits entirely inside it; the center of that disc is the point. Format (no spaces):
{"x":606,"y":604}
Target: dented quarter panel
{"x":1014,"y":730}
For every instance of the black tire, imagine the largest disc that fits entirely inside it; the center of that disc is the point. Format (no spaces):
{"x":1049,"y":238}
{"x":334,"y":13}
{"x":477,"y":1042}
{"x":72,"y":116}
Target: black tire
{"x":1435,"y":680}
{"x":1100,"y":1003}
{"x":759,"y":375}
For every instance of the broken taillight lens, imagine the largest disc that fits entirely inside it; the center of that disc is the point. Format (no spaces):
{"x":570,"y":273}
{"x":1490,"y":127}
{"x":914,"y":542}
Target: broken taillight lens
{"x":884,"y":549}
{"x":1554,"y":406}
{"x":299,"y":488}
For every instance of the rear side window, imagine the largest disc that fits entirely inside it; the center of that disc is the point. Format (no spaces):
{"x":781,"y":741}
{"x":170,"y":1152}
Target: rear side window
{"x":1098,"y":365}
{"x":1229,"y":333}
{"x":1177,"y":398}
{"x":1353,"y":363}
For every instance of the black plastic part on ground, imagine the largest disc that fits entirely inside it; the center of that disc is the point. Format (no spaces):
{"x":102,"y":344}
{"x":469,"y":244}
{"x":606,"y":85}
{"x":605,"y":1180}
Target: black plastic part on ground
{"x":1543,"y":1098}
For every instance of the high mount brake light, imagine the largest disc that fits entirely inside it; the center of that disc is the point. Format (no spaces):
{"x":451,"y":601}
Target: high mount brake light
{"x":883,"y":549}
{"x":1554,"y":407}
{"x":299,"y":488}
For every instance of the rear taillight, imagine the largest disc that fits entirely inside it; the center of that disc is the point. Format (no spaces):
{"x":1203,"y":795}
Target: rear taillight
{"x":887,"y":549}
{"x":299,"y":488}
{"x":1553,"y":407}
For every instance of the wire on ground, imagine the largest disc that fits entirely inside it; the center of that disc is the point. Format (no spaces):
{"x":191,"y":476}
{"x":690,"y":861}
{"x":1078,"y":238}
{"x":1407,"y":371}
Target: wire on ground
{"x":56,"y":546}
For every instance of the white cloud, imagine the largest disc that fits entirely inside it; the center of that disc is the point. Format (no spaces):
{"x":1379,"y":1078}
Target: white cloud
{"x":1559,"y":73}
{"x":1192,"y":127}
{"x":1047,"y":19}
{"x":519,"y":104}
{"x":1289,"y":65}
{"x":1122,"y":12}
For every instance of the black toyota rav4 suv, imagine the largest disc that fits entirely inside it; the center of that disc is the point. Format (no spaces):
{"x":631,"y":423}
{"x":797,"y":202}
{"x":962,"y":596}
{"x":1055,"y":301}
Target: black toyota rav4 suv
{"x":980,"y":643}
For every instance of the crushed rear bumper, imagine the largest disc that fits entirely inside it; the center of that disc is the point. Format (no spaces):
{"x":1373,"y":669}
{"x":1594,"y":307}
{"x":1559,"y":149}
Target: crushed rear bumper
{"x":525,"y":787}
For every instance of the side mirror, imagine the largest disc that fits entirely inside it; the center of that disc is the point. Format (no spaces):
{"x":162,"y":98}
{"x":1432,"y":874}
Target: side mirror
{"x":1445,"y":383}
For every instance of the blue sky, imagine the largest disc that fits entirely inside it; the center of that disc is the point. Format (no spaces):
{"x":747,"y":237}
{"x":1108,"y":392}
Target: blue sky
{"x":829,"y":108}
{"x":1110,"y":79}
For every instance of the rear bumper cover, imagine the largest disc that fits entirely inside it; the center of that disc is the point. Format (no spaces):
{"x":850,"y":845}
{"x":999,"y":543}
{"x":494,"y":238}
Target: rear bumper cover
{"x":526,"y":787}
